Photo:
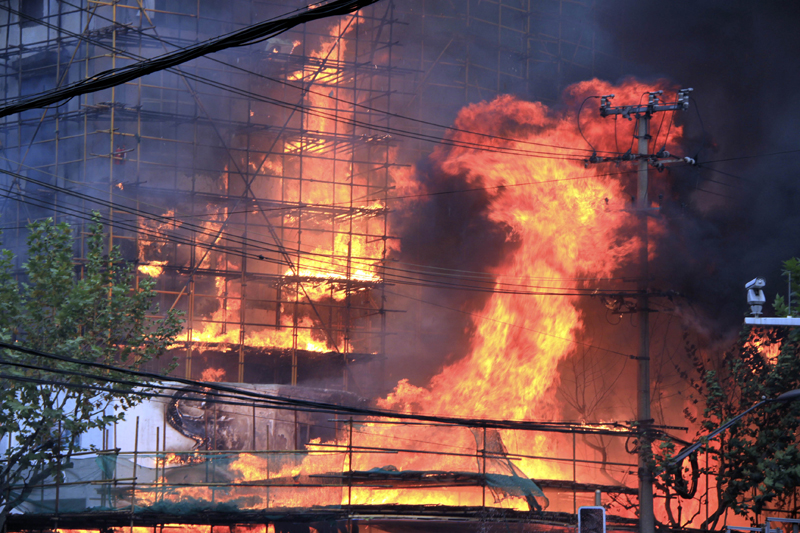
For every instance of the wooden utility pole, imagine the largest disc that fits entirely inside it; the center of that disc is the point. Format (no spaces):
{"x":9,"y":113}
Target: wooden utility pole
{"x":643,"y":114}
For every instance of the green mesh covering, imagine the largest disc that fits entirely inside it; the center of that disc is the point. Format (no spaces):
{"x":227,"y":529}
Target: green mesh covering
{"x":183,"y":484}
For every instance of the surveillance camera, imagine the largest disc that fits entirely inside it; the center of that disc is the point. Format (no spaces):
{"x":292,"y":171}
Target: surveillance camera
{"x":755,"y":296}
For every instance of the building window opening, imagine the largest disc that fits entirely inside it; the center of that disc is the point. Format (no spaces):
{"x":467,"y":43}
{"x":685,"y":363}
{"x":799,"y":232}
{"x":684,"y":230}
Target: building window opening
{"x":31,"y":12}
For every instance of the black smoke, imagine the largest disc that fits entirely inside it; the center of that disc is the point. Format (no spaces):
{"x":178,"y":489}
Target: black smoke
{"x":453,"y":234}
{"x":728,"y":221}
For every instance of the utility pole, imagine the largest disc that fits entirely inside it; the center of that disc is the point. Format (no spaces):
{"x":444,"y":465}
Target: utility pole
{"x":643,"y":115}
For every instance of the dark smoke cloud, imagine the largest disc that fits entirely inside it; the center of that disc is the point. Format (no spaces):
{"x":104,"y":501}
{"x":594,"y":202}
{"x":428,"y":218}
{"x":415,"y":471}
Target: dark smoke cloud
{"x":450,"y":231}
{"x":741,"y":59}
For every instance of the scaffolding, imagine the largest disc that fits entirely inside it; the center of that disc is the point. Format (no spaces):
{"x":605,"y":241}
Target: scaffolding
{"x":276,"y":473}
{"x":265,"y":201}
{"x":263,"y":157}
{"x":254,"y":186}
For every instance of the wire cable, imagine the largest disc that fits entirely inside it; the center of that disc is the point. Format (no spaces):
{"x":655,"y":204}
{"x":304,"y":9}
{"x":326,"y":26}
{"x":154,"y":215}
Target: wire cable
{"x":572,"y":341}
{"x":247,"y":35}
{"x":326,"y":112}
{"x":323,"y":406}
{"x":343,"y":101}
{"x":578,"y":119}
{"x":395,"y":275}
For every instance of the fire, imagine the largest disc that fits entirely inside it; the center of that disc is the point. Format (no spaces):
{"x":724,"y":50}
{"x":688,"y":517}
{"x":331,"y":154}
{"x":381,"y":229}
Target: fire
{"x":151,"y":243}
{"x":318,"y":284}
{"x":213,"y":375}
{"x":171,"y":459}
{"x":564,"y":232}
{"x":153,"y":269}
{"x":556,"y":210}
{"x":337,"y":259}
{"x":768,"y":347}
{"x":212,"y":333}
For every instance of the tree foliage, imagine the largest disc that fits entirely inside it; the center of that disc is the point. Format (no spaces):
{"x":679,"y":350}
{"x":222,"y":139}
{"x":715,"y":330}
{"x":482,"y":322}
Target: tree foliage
{"x":90,"y":312}
{"x":757,"y":461}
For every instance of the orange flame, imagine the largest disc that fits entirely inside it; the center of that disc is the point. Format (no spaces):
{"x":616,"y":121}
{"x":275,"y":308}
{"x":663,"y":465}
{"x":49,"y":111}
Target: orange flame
{"x":151,"y":243}
{"x":768,"y":348}
{"x":154,"y":269}
{"x":213,"y":375}
{"x":556,"y":209}
{"x":558,"y":212}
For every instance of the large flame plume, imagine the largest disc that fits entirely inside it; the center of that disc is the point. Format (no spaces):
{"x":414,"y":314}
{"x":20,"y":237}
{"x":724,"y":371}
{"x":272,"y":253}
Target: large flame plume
{"x":571,"y":227}
{"x":570,"y":223}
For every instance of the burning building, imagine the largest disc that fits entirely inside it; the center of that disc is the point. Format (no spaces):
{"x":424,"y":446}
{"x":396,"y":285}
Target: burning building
{"x":326,"y":238}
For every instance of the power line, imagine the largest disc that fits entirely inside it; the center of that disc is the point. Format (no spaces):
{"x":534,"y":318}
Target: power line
{"x":498,"y":287}
{"x":395,"y":279}
{"x":83,"y":215}
{"x":572,"y":341}
{"x":322,"y":406}
{"x":209,"y":397}
{"x":480,"y":277}
{"x":340,"y":100}
{"x":748,"y":180}
{"x":205,"y":396}
{"x":578,"y":120}
{"x":260,"y":245}
{"x":323,"y":112}
{"x":247,"y":35}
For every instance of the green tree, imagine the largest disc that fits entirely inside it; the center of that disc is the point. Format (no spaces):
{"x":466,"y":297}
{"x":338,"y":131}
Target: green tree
{"x":757,"y":461}
{"x":93,"y":313}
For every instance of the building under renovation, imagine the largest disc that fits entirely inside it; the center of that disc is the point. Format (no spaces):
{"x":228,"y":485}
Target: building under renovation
{"x":255,"y":186}
{"x":253,"y":183}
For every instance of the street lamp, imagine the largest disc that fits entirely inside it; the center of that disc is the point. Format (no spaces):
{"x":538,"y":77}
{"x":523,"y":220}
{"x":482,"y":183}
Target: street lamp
{"x":686,"y":452}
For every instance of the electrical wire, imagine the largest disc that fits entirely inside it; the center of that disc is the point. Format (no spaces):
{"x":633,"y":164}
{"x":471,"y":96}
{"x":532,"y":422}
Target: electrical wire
{"x":484,"y":277}
{"x":660,"y":125}
{"x":322,"y":406}
{"x":567,"y":427}
{"x":334,"y":116}
{"x":497,"y":287}
{"x":454,"y":129}
{"x":397,"y":279}
{"x":262,"y":246}
{"x":704,"y":167}
{"x":204,"y":396}
{"x":702,"y":126}
{"x":571,"y":341}
{"x":439,"y":285}
{"x":578,"y":120}
{"x":83,"y":215}
{"x":247,"y":35}
{"x":327,"y":257}
{"x":340,"y":100}
{"x":634,"y":135}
